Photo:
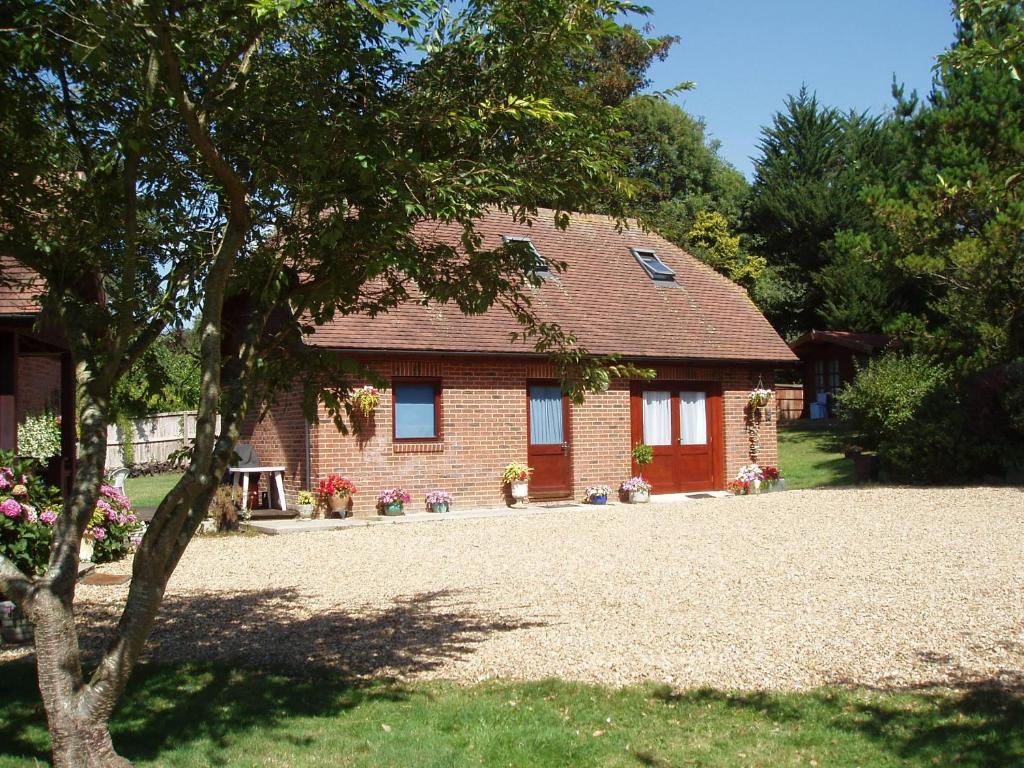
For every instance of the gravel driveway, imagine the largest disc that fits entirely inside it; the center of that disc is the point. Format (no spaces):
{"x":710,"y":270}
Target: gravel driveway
{"x":881,"y":587}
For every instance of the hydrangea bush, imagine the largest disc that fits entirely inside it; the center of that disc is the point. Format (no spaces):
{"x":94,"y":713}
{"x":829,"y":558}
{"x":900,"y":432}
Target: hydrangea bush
{"x":113,"y":526}
{"x":28,"y":510}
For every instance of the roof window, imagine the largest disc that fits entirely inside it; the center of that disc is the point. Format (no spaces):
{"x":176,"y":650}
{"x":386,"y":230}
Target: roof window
{"x":653,"y":266}
{"x":540,"y":264}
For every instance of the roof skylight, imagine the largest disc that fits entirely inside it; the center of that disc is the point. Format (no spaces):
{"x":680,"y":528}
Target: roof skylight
{"x":540,"y":263}
{"x":655,"y":267}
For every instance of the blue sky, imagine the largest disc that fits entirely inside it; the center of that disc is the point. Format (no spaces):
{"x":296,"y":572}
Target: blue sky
{"x":747,"y":55}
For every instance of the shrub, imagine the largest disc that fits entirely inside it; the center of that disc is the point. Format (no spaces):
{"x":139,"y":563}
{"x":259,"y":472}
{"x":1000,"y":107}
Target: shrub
{"x":39,"y":436}
{"x":889,"y":394}
{"x":113,"y":526}
{"x":28,"y":510}
{"x":907,"y":408}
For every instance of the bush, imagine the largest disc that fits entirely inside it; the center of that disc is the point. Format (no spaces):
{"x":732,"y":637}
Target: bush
{"x":28,"y":510}
{"x":904,"y":407}
{"x":113,"y":527}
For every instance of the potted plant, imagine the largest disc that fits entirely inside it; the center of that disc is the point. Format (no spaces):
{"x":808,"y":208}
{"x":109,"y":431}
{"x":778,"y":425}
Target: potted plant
{"x":637,"y":490}
{"x":335,"y":491}
{"x":306,"y":502}
{"x":773,"y":479}
{"x":440,"y":501}
{"x":643,"y":454}
{"x":366,"y":399}
{"x":753,"y":475}
{"x":392,"y":501}
{"x":517,"y":477}
{"x":597,"y":494}
{"x":759,"y":397}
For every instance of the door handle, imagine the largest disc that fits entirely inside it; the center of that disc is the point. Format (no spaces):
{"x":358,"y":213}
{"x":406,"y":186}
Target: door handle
{"x":565,"y":448}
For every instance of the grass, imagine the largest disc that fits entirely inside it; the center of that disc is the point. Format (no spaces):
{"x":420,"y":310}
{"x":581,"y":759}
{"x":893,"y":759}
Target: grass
{"x":149,"y":491}
{"x":810,"y":455}
{"x":215,"y":715}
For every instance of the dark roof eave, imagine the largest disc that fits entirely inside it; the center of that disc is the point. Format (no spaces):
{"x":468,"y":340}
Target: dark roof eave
{"x":791,"y":361}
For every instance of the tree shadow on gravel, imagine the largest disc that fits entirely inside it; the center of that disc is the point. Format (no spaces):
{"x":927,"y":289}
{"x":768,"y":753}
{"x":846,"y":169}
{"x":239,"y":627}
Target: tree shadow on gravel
{"x":271,"y":628}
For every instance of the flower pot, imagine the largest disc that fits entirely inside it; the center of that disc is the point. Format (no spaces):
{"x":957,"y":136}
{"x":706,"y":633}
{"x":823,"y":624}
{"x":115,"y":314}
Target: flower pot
{"x":520,"y":489}
{"x":639,"y":497}
{"x":338,"y":504}
{"x":440,"y":507}
{"x":14,"y":627}
{"x":85,"y":550}
{"x":602,"y":499}
{"x":778,"y":485}
{"x":209,"y":525}
{"x":394,"y":508}
{"x":865,"y":467}
{"x":305,"y":511}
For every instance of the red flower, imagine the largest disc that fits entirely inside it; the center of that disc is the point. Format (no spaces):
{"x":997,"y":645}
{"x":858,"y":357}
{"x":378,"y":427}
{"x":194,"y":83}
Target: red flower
{"x":336,"y":485}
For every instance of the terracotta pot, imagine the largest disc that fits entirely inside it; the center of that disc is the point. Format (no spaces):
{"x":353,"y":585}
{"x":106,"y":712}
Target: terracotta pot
{"x":338,"y":504}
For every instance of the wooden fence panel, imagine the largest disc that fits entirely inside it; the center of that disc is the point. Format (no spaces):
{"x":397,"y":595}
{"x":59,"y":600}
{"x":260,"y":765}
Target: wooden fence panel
{"x":153,"y":438}
{"x":790,"y":398}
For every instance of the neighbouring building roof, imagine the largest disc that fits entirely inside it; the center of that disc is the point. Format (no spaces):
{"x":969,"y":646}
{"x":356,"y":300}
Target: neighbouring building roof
{"x":605,"y":296}
{"x":19,"y":287}
{"x":867,"y":343}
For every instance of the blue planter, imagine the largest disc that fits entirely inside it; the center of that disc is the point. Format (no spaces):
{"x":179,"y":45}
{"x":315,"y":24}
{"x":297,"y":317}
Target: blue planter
{"x":394,"y":508}
{"x":598,"y":499}
{"x":441,"y":506}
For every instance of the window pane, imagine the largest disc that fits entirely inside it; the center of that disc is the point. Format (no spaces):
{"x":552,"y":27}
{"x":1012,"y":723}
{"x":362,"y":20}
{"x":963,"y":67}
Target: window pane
{"x":414,"y":410}
{"x":546,"y":427}
{"x":658,"y":418}
{"x":693,"y":423}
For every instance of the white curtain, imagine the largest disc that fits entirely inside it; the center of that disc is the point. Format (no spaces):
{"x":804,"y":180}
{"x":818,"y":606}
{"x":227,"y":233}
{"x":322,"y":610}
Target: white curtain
{"x":658,"y":418}
{"x":693,"y":424}
{"x":546,"y":427}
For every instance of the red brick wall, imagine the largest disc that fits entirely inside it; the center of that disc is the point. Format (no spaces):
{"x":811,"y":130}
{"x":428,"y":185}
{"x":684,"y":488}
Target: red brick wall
{"x":38,"y":385}
{"x":484,"y":428}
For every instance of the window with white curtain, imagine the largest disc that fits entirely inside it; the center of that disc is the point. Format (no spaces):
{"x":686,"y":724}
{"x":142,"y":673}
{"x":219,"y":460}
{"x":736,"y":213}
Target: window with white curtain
{"x":693,"y":423}
{"x":546,"y":425}
{"x":658,"y":418}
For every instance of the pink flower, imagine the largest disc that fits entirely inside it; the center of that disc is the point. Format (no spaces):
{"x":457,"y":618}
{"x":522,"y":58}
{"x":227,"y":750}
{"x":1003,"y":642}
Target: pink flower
{"x":48,"y":516}
{"x":30,"y":514}
{"x":97,"y":533}
{"x":131,"y":517}
{"x":11,"y":509}
{"x":122,"y":519}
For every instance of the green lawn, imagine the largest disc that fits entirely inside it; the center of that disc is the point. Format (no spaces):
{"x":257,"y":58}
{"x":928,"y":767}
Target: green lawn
{"x":213,"y":715}
{"x":810,"y":454}
{"x":149,"y":491}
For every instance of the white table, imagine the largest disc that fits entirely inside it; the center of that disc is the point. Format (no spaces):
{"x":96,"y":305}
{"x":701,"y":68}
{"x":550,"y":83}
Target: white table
{"x":277,"y":473}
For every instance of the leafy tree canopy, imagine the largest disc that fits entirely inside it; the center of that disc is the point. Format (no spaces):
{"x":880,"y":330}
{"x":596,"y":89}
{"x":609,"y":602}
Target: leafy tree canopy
{"x":260,"y":167}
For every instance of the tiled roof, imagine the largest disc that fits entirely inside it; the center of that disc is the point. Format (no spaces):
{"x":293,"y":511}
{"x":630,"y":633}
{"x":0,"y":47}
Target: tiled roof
{"x":19,"y":287}
{"x":605,"y":297}
{"x":861,"y":342}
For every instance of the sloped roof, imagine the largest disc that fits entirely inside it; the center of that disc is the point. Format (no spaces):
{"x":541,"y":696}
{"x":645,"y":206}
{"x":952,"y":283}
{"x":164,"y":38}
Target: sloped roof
{"x":859,"y":342}
{"x":19,"y":287}
{"x":605,"y":297}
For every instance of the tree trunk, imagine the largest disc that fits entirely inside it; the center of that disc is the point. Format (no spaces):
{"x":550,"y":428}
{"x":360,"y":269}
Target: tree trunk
{"x":80,"y":737}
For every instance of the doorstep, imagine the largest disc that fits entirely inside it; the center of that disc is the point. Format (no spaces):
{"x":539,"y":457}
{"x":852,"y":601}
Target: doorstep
{"x":280,"y":527}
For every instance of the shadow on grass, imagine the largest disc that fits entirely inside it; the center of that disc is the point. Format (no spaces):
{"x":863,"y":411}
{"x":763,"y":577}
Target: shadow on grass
{"x":977,"y":727}
{"x":324,"y":662}
{"x":167,"y":706}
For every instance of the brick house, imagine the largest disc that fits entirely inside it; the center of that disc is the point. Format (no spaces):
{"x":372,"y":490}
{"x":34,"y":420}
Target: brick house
{"x":463,"y":400}
{"x":36,"y":372}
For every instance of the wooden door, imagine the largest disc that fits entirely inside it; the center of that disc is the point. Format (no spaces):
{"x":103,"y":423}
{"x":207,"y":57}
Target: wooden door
{"x":549,"y":449}
{"x":682,"y":422}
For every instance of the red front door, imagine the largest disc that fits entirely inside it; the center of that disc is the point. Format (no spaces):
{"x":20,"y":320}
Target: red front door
{"x":548,"y":443}
{"x":683,"y":425}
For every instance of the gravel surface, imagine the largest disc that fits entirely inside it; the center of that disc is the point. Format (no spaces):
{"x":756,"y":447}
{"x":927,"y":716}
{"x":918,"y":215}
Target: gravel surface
{"x":882,"y":587}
